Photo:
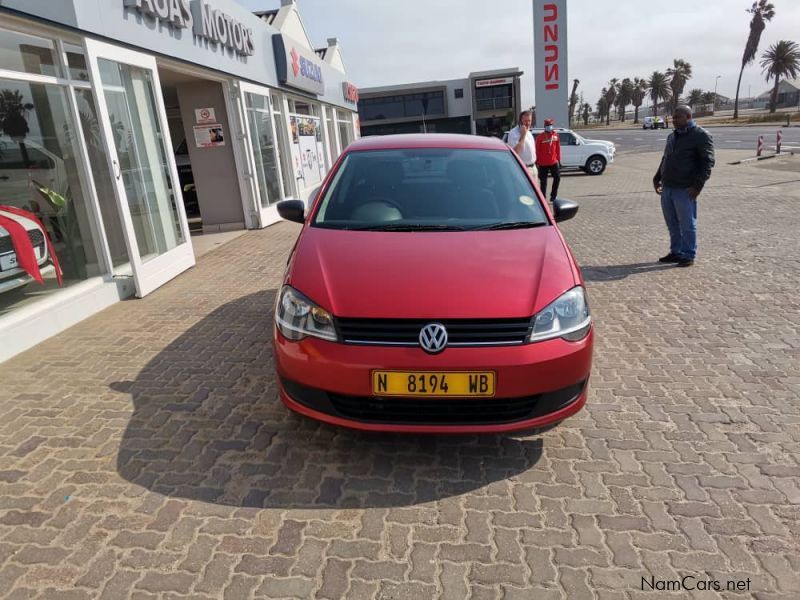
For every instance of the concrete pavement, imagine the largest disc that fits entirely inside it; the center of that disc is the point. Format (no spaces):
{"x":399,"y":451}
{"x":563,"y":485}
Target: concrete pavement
{"x":144,"y":453}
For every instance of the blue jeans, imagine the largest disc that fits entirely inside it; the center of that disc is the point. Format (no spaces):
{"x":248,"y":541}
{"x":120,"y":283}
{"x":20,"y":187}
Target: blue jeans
{"x":680,"y":214}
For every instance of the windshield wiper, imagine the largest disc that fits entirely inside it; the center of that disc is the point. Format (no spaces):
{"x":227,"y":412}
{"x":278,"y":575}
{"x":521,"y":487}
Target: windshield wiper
{"x":510,"y":225}
{"x":407,"y":227}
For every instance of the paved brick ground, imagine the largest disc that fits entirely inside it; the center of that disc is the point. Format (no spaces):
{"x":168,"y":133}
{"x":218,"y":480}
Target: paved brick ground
{"x":143,"y":453}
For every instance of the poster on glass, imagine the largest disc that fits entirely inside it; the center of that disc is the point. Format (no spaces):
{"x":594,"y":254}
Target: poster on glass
{"x":307,"y":151}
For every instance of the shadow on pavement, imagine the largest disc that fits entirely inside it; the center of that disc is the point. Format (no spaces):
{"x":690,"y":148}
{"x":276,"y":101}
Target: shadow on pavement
{"x":208,"y":425}
{"x":617,"y":272}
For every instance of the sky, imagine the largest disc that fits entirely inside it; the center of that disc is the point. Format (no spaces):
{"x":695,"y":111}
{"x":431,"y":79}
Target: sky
{"x":387,"y":42}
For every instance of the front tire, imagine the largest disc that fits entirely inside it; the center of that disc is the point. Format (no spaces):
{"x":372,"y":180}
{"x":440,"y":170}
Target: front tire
{"x":595,"y":165}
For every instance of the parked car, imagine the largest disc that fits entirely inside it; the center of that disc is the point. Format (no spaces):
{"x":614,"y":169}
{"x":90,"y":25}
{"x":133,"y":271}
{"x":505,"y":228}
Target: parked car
{"x":19,"y":167}
{"x":430,"y":290}
{"x":577,"y":152}
{"x":654,"y":123}
{"x":11,"y":276}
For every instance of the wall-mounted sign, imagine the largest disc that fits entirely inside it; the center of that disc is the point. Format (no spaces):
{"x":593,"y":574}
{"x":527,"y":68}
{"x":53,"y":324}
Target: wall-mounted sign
{"x":209,"y":136}
{"x":296,"y":67}
{"x":205,"y":21}
{"x":205,"y":115}
{"x":491,"y":82}
{"x":350,"y":93}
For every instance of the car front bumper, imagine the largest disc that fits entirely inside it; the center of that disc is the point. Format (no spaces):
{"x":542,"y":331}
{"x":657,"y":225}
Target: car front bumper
{"x":536,"y":385}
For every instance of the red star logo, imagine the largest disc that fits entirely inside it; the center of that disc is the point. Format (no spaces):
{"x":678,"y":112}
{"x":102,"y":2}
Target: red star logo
{"x":295,"y":62}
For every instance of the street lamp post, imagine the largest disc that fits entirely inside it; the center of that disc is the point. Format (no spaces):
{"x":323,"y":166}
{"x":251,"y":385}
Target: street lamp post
{"x":716,"y":81}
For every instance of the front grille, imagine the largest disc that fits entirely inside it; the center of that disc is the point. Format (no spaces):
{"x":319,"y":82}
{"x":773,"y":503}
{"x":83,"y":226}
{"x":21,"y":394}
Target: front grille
{"x":35,"y":236}
{"x":460,"y":332}
{"x":433,"y":411}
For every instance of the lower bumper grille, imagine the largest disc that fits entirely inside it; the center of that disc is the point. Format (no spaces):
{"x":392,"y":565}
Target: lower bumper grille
{"x":435,"y":411}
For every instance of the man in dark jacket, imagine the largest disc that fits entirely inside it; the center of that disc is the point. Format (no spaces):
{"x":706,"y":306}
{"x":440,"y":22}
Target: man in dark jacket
{"x":684,"y":169}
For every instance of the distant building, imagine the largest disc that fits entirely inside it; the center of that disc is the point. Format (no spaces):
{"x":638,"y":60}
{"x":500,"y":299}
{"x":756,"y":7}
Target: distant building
{"x":484,"y":103}
{"x":788,"y":95}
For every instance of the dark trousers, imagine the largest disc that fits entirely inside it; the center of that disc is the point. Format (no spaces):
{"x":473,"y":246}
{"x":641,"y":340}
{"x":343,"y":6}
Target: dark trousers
{"x":555,"y":171}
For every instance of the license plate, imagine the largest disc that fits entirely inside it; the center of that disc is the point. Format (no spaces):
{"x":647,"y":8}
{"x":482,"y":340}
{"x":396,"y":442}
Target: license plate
{"x":428,"y":383}
{"x":9,"y":261}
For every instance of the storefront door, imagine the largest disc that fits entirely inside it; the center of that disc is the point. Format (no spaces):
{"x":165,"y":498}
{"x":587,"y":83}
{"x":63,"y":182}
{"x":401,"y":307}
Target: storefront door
{"x":136,"y":135}
{"x":264,"y":149}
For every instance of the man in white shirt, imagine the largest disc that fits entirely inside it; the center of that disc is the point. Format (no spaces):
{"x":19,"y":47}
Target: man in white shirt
{"x":521,"y":140}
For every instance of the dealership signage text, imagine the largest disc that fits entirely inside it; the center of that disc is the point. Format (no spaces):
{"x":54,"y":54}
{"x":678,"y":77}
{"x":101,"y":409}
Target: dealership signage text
{"x":205,"y":21}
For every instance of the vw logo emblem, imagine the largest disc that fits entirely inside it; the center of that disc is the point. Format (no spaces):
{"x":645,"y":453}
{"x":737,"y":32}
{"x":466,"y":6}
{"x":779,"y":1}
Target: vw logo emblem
{"x":433,"y":338}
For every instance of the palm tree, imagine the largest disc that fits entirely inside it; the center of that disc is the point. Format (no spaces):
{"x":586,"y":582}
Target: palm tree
{"x":679,"y":74}
{"x":624,"y":96}
{"x":573,"y":99}
{"x":695,"y":97}
{"x":14,"y":119}
{"x":780,"y":60}
{"x":602,"y":104}
{"x":611,"y":96}
{"x":638,"y":96}
{"x":762,"y":11}
{"x":710,"y":98}
{"x":659,"y":89}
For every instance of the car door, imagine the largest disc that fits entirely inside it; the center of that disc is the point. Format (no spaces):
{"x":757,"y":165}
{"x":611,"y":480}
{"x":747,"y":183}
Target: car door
{"x":570,"y":151}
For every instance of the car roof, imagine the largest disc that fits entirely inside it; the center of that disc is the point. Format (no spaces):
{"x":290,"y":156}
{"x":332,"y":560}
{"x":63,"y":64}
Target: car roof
{"x":427,"y":140}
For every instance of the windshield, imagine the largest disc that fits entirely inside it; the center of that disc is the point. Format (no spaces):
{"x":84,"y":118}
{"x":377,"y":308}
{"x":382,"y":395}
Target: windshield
{"x":436,"y":189}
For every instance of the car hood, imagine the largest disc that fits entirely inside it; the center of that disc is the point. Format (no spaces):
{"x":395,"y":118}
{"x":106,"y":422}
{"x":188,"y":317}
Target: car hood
{"x":601,"y":142}
{"x":24,"y":221}
{"x":481,"y":274}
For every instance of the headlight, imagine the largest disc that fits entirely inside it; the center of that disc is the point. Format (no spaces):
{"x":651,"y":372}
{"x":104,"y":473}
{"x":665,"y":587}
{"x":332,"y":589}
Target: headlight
{"x":567,"y":317}
{"x":297,"y":317}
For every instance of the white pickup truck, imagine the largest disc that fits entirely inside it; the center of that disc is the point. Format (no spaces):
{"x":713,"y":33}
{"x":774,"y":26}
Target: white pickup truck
{"x":577,"y":152}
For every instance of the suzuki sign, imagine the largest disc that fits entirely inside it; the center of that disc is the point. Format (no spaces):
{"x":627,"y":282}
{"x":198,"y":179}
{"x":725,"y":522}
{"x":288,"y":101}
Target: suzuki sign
{"x":550,"y":60}
{"x":296,"y":67}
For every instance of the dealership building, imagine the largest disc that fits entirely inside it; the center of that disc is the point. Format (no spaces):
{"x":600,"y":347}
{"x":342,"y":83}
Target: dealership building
{"x":484,"y":103}
{"x":129,"y":126}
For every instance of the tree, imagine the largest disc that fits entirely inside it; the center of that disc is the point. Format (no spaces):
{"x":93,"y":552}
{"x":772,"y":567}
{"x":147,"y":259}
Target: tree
{"x":695,"y":97}
{"x":638,"y":96}
{"x":586,"y":110}
{"x":611,"y":96}
{"x":710,"y":98}
{"x":659,"y":89}
{"x":679,"y":74}
{"x":602,"y":104}
{"x":14,"y":119}
{"x":762,"y":11}
{"x":573,"y":99}
{"x":780,"y":60}
{"x":624,"y":96}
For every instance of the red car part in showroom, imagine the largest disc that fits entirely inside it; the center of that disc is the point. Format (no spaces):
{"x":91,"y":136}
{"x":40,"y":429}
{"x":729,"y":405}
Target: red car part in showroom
{"x":431,"y":291}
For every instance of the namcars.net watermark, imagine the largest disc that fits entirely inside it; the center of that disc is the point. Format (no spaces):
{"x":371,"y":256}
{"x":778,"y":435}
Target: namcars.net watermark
{"x":690,"y":583}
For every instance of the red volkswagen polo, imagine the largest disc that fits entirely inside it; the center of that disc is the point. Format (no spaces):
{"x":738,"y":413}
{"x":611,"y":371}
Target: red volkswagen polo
{"x":431,"y":291}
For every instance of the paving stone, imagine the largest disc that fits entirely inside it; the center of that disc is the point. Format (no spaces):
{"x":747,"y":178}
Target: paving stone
{"x":161,"y":443}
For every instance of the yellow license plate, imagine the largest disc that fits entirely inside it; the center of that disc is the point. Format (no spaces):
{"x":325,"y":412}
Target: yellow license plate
{"x":428,"y":383}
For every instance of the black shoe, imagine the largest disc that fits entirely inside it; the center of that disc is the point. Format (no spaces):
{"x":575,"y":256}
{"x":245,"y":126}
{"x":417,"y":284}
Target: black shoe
{"x":684,"y":262}
{"x":669,"y":258}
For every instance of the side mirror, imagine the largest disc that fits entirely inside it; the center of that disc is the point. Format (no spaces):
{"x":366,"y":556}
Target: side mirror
{"x":564,"y":209}
{"x":292,"y":210}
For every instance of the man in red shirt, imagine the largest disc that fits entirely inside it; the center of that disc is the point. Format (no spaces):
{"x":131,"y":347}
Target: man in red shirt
{"x":548,"y":158}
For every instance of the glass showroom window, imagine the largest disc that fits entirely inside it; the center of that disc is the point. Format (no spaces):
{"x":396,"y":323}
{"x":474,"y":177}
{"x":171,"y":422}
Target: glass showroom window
{"x":48,"y":236}
{"x":283,"y":145}
{"x":345,"y":122}
{"x":262,"y":143}
{"x":329,"y":111}
{"x":305,"y":143}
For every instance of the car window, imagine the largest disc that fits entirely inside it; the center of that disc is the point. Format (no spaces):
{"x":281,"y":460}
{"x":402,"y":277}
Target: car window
{"x":566,"y":139}
{"x":432,"y":187}
{"x":12,"y":156}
